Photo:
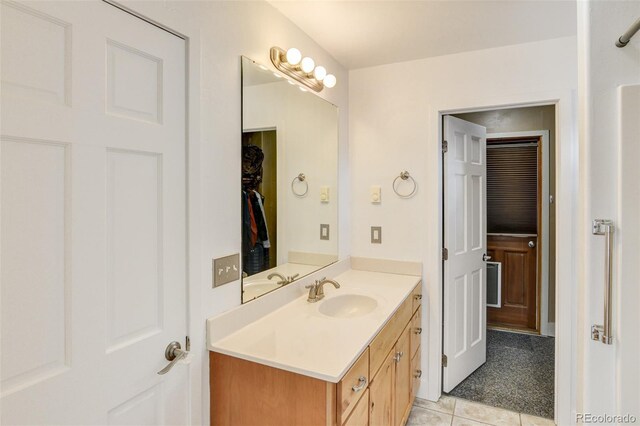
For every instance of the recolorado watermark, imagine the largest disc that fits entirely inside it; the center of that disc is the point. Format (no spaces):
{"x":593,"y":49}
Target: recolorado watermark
{"x":605,"y":418}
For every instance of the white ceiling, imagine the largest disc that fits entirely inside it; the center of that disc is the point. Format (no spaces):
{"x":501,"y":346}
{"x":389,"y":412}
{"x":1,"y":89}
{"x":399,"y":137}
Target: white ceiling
{"x":366,"y":33}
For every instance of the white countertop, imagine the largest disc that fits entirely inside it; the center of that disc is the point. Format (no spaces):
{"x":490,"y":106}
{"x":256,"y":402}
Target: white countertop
{"x":297,"y":337}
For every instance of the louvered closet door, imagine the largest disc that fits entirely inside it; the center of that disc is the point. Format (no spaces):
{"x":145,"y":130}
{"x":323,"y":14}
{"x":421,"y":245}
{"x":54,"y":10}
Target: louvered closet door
{"x":93,"y":216}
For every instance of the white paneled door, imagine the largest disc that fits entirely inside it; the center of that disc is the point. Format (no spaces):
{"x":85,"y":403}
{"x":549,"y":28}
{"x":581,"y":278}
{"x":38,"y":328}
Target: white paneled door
{"x":93,"y":216}
{"x":465,"y":238}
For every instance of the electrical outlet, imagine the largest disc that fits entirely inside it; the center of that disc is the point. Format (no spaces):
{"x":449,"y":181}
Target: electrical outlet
{"x":376,"y":235}
{"x":226,"y":269}
{"x":324,"y":231}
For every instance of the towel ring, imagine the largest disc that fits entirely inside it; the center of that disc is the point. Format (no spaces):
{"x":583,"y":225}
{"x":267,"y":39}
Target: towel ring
{"x":404,"y":175}
{"x":302,"y":178}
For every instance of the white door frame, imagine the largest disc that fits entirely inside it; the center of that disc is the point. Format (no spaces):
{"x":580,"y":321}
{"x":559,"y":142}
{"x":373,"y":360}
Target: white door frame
{"x":546,"y":328}
{"x":156,"y":14}
{"x":566,"y":206}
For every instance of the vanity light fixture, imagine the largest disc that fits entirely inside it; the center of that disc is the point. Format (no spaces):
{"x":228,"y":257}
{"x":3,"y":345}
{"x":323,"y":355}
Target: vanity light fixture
{"x":302,"y":69}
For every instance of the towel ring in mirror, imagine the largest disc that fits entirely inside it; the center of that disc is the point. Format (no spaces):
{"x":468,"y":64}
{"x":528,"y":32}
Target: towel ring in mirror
{"x":303,"y":179}
{"x":404,"y":175}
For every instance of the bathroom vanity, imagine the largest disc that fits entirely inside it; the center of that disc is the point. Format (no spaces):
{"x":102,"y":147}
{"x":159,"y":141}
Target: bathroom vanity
{"x":352,"y":358}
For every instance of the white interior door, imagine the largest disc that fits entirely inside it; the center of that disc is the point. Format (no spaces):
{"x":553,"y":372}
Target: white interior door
{"x":93,"y":216}
{"x":465,"y":238}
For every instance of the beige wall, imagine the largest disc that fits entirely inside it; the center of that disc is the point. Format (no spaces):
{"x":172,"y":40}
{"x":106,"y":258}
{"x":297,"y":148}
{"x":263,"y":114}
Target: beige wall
{"x":520,"y":120}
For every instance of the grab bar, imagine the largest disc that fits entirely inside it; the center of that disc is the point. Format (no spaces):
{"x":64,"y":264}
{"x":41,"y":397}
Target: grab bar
{"x":603,"y":332}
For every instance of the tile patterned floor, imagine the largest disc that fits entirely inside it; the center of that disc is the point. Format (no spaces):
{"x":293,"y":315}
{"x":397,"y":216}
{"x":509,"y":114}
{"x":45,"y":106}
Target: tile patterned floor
{"x":450,"y":411}
{"x":518,"y":374}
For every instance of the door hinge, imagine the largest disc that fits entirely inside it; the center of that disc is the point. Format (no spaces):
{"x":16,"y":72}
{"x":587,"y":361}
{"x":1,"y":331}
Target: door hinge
{"x":445,"y":254}
{"x":444,"y":360}
{"x":187,"y":344}
{"x":445,"y":146}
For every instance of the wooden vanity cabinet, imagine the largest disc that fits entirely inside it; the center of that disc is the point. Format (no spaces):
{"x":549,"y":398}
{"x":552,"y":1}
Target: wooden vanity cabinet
{"x":378,"y":389}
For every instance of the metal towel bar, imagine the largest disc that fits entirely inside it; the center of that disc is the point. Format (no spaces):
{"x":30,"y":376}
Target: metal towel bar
{"x":623,"y":40}
{"x":603,"y":332}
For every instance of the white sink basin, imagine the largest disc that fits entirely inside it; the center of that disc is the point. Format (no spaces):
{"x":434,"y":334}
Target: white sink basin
{"x":348,"y":306}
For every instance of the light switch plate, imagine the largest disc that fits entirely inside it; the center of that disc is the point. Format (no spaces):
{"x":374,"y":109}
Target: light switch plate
{"x":376,"y":235}
{"x":324,"y":194}
{"x":324,"y":231}
{"x":226,"y":269}
{"x":376,"y":194}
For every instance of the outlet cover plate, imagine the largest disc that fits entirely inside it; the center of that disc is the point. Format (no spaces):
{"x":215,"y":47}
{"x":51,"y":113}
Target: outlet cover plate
{"x":324,"y":231}
{"x":376,"y":235}
{"x":226,"y":269}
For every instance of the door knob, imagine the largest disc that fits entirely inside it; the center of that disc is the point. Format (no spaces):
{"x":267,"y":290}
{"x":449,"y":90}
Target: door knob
{"x":531,"y":244}
{"x":486,"y":257}
{"x":173,"y":353}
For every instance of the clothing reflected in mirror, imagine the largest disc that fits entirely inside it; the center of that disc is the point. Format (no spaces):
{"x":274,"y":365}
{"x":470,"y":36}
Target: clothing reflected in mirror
{"x":256,"y":243}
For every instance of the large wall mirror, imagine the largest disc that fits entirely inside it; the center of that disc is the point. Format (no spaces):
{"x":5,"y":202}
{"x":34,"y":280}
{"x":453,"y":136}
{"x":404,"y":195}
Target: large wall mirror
{"x":289,"y":181}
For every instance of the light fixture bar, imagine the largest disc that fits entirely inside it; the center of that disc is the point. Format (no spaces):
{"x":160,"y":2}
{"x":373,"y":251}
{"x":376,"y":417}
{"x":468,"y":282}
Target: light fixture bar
{"x":277,"y":58}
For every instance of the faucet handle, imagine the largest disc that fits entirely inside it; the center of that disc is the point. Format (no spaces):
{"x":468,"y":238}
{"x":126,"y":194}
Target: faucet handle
{"x":310,"y":286}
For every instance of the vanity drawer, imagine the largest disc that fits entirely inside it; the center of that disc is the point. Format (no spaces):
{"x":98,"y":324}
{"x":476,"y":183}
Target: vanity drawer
{"x":352,"y":386}
{"x":360,"y":414}
{"x":416,"y":331}
{"x":386,"y":339}
{"x":416,"y":296}
{"x":416,"y":373}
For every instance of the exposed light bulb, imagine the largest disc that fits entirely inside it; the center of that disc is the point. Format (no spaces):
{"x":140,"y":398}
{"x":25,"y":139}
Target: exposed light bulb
{"x":307,"y":65}
{"x":330,"y":81}
{"x":293,"y":56}
{"x":320,"y":73}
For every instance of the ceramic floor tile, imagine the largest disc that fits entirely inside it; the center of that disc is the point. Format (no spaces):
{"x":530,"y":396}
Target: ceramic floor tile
{"x":528,"y":420}
{"x":423,"y":417}
{"x":461,"y":421}
{"x":445,"y":404}
{"x":485,"y":414}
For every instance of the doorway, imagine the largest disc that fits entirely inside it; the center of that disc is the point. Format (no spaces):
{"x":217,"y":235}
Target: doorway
{"x":499,"y":282}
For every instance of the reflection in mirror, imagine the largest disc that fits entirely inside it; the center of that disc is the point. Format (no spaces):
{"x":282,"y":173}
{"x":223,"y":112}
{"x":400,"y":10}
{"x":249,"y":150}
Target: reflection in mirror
{"x":289,"y":181}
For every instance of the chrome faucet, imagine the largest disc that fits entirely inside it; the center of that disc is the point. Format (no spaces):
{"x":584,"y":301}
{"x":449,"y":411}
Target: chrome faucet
{"x":316,"y":291}
{"x":283,"y":279}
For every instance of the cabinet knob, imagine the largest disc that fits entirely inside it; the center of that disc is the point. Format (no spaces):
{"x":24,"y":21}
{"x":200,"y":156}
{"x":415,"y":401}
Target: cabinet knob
{"x":418,"y":297}
{"x":418,"y":374}
{"x":418,"y":330}
{"x":531,"y":244}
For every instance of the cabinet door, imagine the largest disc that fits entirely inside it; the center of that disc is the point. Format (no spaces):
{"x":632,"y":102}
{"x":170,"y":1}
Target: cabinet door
{"x":360,"y":414}
{"x":381,"y":393}
{"x":403,"y":376}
